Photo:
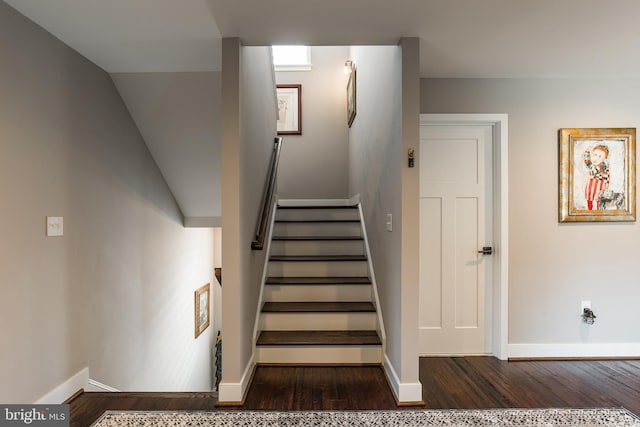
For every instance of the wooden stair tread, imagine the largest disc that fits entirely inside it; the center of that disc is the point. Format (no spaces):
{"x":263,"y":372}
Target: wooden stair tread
{"x":318,"y":281}
{"x":318,"y":307}
{"x":320,"y":338}
{"x":314,"y":258}
{"x":301,"y":221}
{"x":317,"y":238}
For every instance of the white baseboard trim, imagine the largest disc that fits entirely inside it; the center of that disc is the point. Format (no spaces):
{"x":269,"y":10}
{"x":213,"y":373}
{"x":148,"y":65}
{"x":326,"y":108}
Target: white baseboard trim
{"x":98,"y":386}
{"x":586,"y":350}
{"x":233,"y":393}
{"x":404,"y":392}
{"x":67,"y":389}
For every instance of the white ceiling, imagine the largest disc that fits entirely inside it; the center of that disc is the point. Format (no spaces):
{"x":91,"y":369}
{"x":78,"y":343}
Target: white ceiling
{"x":459,"y":38}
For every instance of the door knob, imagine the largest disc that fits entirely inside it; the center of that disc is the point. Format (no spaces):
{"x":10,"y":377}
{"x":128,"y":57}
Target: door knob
{"x":486,"y":250}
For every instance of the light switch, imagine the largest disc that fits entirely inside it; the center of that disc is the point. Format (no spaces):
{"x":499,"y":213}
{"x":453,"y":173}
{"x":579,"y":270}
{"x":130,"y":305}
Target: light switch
{"x":54,"y":226}
{"x":389,"y":222}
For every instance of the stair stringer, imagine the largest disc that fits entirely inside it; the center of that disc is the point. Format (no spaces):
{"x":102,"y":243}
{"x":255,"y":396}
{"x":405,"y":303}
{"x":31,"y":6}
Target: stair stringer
{"x":374,"y":285}
{"x":265,"y":269}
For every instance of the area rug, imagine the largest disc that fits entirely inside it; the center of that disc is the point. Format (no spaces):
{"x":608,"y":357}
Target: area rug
{"x":565,"y":417}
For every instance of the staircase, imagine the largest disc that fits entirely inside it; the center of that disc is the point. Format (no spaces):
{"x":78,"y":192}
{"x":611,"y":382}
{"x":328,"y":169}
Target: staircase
{"x":319,"y":302}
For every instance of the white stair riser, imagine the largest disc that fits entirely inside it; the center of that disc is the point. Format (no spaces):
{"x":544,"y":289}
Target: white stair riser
{"x":317,"y":229}
{"x":317,"y":247}
{"x":324,"y":293}
{"x":317,"y":214}
{"x":318,"y":269}
{"x":317,"y":321}
{"x":319,"y":354}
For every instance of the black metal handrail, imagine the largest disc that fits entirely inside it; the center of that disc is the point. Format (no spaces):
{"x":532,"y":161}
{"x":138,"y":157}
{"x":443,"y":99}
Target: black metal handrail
{"x":267,"y":200}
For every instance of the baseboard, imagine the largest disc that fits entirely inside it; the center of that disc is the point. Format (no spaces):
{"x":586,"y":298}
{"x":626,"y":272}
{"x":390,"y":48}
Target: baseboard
{"x":573,"y":351}
{"x":98,"y":386}
{"x":234,"y":394}
{"x":405,"y":393}
{"x":68,"y":388}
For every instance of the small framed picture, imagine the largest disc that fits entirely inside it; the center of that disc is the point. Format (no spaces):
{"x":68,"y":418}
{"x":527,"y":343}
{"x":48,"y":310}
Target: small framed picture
{"x":202,"y":299}
{"x":351,"y":97}
{"x":597,"y":174}
{"x":289,"y":109}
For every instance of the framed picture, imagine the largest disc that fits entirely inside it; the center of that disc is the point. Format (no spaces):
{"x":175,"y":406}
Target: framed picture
{"x":289,"y":109}
{"x":351,"y":97}
{"x":597,"y":174}
{"x":203,"y":296}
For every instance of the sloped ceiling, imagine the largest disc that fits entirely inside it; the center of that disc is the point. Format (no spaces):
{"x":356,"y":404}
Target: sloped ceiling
{"x":178,"y":115}
{"x":129,"y":36}
{"x":459,"y":38}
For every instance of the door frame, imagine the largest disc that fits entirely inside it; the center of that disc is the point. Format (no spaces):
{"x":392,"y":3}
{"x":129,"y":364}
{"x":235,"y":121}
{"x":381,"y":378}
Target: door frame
{"x":500,"y":265}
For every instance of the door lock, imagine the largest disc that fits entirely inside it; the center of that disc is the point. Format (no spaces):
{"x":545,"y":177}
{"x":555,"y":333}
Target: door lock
{"x":486,"y":250}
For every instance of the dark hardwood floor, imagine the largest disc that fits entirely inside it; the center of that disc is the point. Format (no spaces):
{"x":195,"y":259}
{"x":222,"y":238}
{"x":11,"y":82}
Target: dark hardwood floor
{"x":321,"y":387}
{"x":448,"y":383}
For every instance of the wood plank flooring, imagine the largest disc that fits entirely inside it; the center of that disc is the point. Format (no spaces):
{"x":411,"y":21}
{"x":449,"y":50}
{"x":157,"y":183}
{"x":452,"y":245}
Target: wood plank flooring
{"x":486,"y":382}
{"x":321,"y":387}
{"x":448,"y":383}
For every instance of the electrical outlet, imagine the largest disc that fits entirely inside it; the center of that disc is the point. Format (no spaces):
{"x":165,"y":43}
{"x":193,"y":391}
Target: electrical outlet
{"x":585,"y":304}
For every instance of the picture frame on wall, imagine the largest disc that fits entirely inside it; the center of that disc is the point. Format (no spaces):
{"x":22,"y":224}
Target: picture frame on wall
{"x":351,"y":96}
{"x":289,"y":109}
{"x":202,"y":309}
{"x":597,"y":174}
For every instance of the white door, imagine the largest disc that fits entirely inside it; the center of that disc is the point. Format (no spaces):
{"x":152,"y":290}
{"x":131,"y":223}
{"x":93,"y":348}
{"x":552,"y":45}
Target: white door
{"x":455,"y":225}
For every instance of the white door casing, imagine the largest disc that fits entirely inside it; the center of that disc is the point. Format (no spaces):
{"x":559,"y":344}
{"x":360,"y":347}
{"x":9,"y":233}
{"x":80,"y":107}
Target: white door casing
{"x":463,"y":207}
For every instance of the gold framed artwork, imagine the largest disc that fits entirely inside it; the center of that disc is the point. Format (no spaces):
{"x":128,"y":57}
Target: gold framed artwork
{"x":202,"y":299}
{"x":597,"y":179}
{"x":351,"y":95}
{"x":289,"y":109}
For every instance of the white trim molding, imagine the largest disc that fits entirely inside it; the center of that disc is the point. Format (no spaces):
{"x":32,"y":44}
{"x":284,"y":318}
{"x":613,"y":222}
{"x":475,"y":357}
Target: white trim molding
{"x":500,"y":302}
{"x":67,"y":389}
{"x":98,"y":386}
{"x":575,"y":350}
{"x":404,"y":392}
{"x":234,"y":393}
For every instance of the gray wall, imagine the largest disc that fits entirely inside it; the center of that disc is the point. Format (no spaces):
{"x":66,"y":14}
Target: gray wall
{"x":248,"y":132}
{"x":553,"y":266}
{"x":379,"y":138}
{"x":115,"y":293}
{"x":375,"y":160}
{"x":315,"y":164}
{"x":385,"y":127}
